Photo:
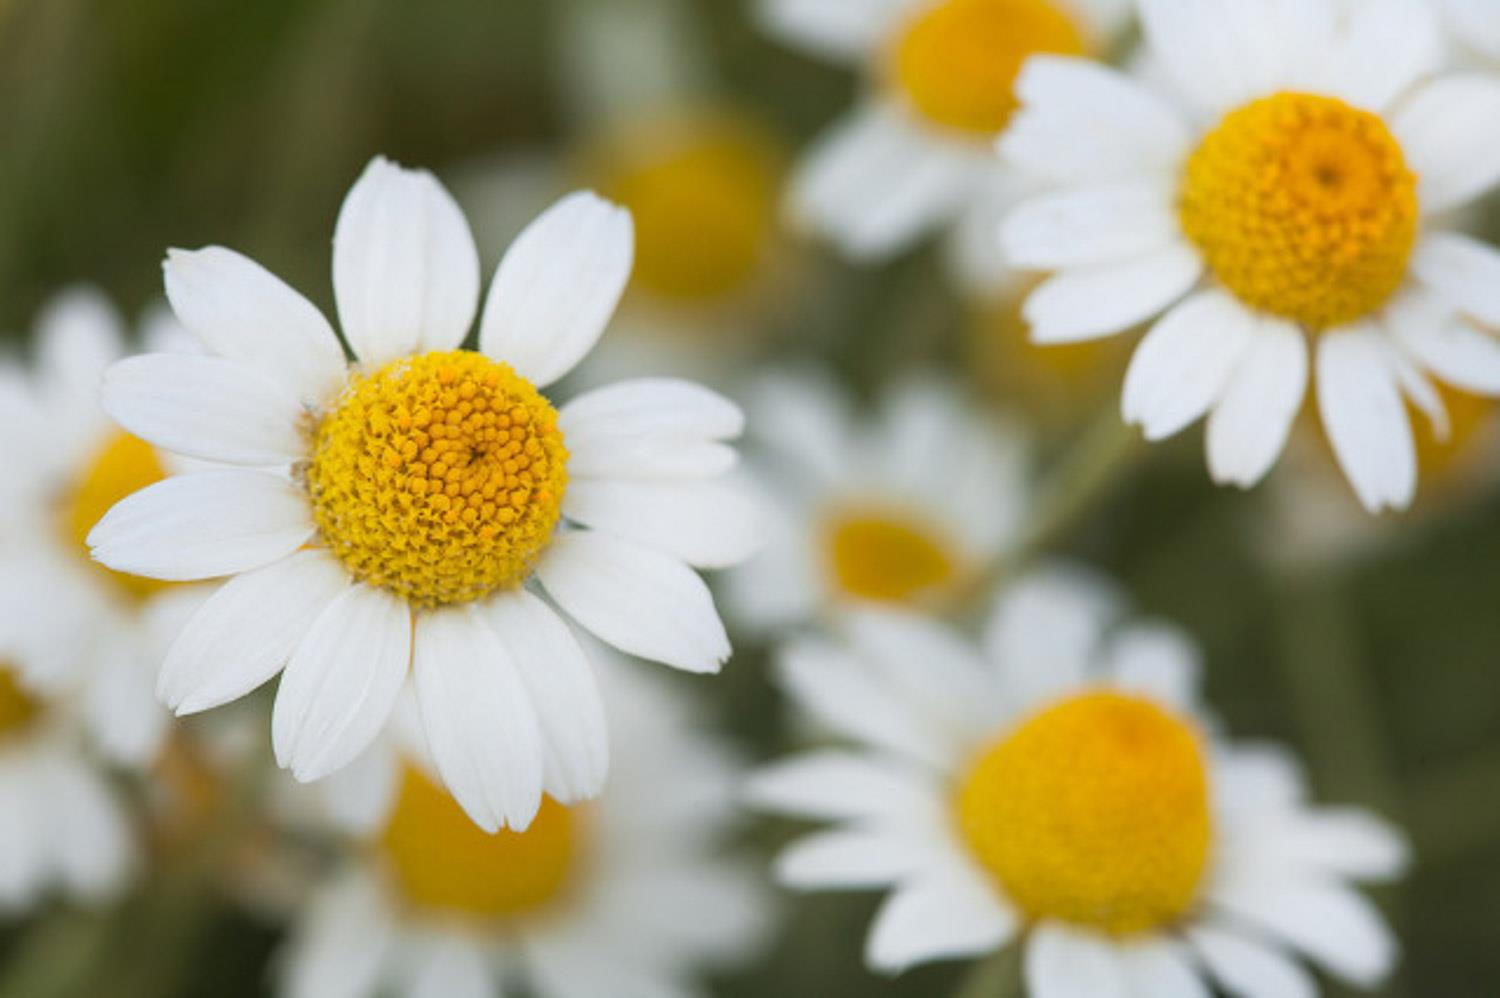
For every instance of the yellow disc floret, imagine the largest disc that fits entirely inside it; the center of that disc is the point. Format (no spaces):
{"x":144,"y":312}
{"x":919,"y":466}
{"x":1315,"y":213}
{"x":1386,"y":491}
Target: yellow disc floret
{"x":439,"y":477}
{"x":1303,"y":207}
{"x":1094,"y":812}
{"x":888,"y":556}
{"x":123,"y":465}
{"x":442,"y":861}
{"x":956,"y":61}
{"x":17,"y":707}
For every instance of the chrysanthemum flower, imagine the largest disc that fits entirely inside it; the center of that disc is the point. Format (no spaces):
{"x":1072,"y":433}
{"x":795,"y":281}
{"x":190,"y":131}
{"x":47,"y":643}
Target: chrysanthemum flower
{"x":627,"y":896}
{"x":67,"y":624}
{"x":1292,"y":190}
{"x":1063,"y":788}
{"x":904,"y":511}
{"x":386,"y":518}
{"x":914,"y":158}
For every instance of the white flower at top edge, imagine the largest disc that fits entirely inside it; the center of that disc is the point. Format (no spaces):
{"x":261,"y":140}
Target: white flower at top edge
{"x":388,"y":518}
{"x":1062,"y":790}
{"x":1291,"y":192}
{"x":906,"y":511}
{"x":913,"y":160}
{"x":629,"y":895}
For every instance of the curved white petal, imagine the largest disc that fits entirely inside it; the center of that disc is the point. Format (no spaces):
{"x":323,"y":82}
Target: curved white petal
{"x":1249,"y":426}
{"x":359,"y":797}
{"x":708,"y":524}
{"x":1463,"y":271}
{"x":1161,"y":969}
{"x":1343,"y":842}
{"x":90,"y":836}
{"x":1092,"y":225}
{"x":1062,"y":962}
{"x":203,"y":525}
{"x":1333,"y":925}
{"x":1445,"y":131}
{"x":1474,"y":22}
{"x":847,"y":30}
{"x":935,"y":918}
{"x":405,"y":270}
{"x":1248,"y":968}
{"x":1089,"y":302}
{"x":1365,"y":418}
{"x":451,"y":966}
{"x":931,"y":666}
{"x":78,"y":335}
{"x":1044,"y":632}
{"x":1387,"y":46}
{"x":558,"y":286}
{"x":649,"y":428}
{"x":833,"y":785}
{"x":342,"y":944}
{"x":341,"y":683}
{"x":846,"y":859}
{"x":1159,"y":661}
{"x":1182,"y":366}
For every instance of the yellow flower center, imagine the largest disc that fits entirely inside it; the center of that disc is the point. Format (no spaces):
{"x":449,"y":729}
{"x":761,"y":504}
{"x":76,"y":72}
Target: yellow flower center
{"x":1304,"y":207}
{"x":704,"y":198}
{"x":1470,"y":420}
{"x":17,"y":707}
{"x":439,"y":477}
{"x":125,"y":464}
{"x":888,"y":557}
{"x":441,"y":860}
{"x":1094,"y":812}
{"x":956,"y":62}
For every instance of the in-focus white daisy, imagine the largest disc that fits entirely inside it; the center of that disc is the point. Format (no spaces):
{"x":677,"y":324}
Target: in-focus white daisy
{"x":1062,"y":791}
{"x":1293,"y":189}
{"x":914,"y":158}
{"x":905,"y":507}
{"x":630,"y":896}
{"x":69,"y":625}
{"x":389,"y":516}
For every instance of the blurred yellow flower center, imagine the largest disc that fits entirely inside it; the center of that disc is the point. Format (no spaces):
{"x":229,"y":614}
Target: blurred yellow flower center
{"x":439,"y":477}
{"x":1304,"y":207}
{"x":704,"y":200}
{"x":887,"y":556}
{"x":1094,"y":812}
{"x":17,"y":707}
{"x":441,"y":860}
{"x":1470,"y":419}
{"x":956,"y":62}
{"x":125,"y":464}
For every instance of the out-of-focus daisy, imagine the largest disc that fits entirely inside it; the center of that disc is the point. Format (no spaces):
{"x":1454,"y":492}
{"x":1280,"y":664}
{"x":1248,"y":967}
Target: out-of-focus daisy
{"x":387,"y":517}
{"x":1292,"y":190}
{"x":1063,"y":790}
{"x":905,"y":508}
{"x":67,"y":623}
{"x":914,"y":158}
{"x":630,"y":895}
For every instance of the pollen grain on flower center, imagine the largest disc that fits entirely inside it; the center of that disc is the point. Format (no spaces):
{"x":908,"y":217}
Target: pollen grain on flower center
{"x":956,"y":62}
{"x":439,"y":477}
{"x":1094,"y":812}
{"x":1303,"y":207}
{"x":442,"y":861}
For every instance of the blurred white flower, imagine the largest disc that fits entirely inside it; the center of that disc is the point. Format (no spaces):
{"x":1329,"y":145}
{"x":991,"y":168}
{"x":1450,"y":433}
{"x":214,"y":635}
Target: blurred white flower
{"x":1063,"y":787}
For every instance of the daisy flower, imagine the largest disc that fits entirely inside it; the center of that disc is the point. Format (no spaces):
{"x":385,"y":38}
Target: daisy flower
{"x":914,"y":158}
{"x":1062,"y":790}
{"x":630,"y":895}
{"x":388,"y":517}
{"x":1284,"y":210}
{"x":1473,"y":25}
{"x":68,"y":624}
{"x":904,"y":508}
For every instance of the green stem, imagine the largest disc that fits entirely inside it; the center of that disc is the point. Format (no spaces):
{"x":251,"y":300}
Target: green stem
{"x":996,"y":976}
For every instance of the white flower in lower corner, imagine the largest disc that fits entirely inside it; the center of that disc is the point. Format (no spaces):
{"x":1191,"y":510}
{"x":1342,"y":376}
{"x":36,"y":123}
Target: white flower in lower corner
{"x":914,"y":158}
{"x":904,"y":506}
{"x":631,"y":895}
{"x":1063,"y":790}
{"x":388,"y":518}
{"x":1288,"y":211}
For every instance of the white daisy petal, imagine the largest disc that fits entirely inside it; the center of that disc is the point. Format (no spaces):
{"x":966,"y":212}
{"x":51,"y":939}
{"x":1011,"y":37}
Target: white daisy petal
{"x":119,"y":707}
{"x":1159,"y":661}
{"x":929,"y":665}
{"x":1255,"y":779}
{"x":852,"y":858}
{"x":23,"y":837}
{"x":557,"y":287}
{"x":203,"y":525}
{"x":90,"y":839}
{"x":205,"y":407}
{"x":1462,"y":270}
{"x":1444,"y":129}
{"x":1388,"y":46}
{"x":563,"y":690}
{"x":1044,"y":631}
{"x":245,"y":632}
{"x":78,"y":335}
{"x":1062,"y":962}
{"x":642,"y":602}
{"x":707,"y":524}
{"x":479,"y":719}
{"x":341,"y":945}
{"x":650,"y":428}
{"x":1439,"y":341}
{"x":936,"y":918}
{"x":242,"y":311}
{"x":1365,"y":418}
{"x":1333,"y":925}
{"x":1089,"y":302}
{"x":1344,"y":842}
{"x":833,"y":785}
{"x":405,"y":269}
{"x":341,"y":683}
{"x":1246,"y":968}
{"x":1474,"y":21}
{"x":360,"y":796}
{"x":1182,"y":366}
{"x":1249,"y":426}
{"x":1160,"y":969}
{"x":837,"y":29}
{"x":1091,"y":225}
{"x":451,"y":966}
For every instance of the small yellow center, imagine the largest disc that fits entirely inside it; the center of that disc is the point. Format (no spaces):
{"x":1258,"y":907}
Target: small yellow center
{"x":17,"y":707}
{"x":1303,"y":207}
{"x":1470,"y":421}
{"x":956,"y":62}
{"x":125,"y":464}
{"x":704,"y":198}
{"x":439,"y":477}
{"x":1094,"y":812}
{"x":888,"y":557}
{"x":443,"y":861}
